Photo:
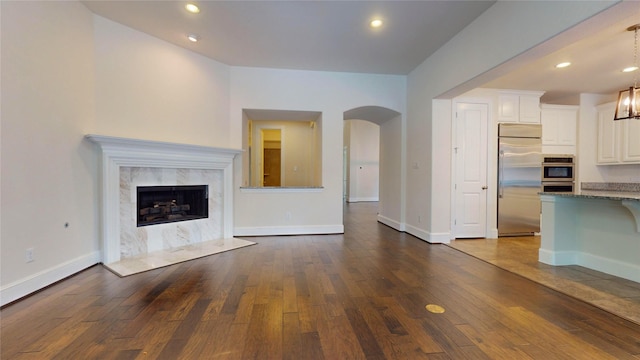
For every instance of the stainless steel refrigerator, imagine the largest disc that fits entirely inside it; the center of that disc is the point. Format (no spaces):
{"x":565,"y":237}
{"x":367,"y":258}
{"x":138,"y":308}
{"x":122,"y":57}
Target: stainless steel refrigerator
{"x":519,"y":179}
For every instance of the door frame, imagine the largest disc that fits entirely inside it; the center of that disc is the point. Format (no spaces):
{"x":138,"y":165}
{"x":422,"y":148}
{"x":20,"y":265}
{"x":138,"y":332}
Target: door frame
{"x":490,"y":230}
{"x":258,"y":145}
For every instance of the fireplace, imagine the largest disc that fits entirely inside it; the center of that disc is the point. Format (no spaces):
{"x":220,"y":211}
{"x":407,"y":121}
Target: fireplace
{"x":165,"y":204}
{"x":130,"y":163}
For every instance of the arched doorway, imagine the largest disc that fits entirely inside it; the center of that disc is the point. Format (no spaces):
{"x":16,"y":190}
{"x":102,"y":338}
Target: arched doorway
{"x":392,"y":170}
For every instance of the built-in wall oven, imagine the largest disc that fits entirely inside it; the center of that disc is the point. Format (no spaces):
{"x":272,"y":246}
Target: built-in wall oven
{"x":561,"y":186}
{"x":558,"y":173}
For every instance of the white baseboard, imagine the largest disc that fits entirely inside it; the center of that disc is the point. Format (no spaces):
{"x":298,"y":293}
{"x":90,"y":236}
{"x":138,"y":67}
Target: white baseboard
{"x":35,"y":282}
{"x":417,"y":232}
{"x":433,"y":238}
{"x":598,"y":263}
{"x":288,"y":230}
{"x":439,"y":238}
{"x":614,"y":267}
{"x":557,"y":258}
{"x":391,"y":223}
{"x":363,"y":199}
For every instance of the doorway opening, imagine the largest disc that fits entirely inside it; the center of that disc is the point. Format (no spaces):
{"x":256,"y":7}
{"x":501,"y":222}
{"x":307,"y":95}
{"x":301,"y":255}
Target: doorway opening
{"x":271,"y":157}
{"x":390,"y":158}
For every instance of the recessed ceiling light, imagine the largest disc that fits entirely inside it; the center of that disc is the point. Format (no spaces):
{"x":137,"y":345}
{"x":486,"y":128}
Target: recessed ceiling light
{"x":563,"y":65}
{"x":192,"y":8}
{"x":376,"y":23}
{"x":630,"y":69}
{"x":193,"y":37}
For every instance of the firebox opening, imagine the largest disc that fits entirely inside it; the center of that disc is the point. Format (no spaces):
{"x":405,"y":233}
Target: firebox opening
{"x":164,"y":204}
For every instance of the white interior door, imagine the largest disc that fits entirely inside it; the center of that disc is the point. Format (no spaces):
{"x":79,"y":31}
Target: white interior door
{"x":471,"y":126}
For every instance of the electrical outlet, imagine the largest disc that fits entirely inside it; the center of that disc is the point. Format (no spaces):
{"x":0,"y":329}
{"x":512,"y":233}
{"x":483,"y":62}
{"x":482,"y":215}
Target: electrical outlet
{"x":29,"y":255}
{"x":287,"y":215}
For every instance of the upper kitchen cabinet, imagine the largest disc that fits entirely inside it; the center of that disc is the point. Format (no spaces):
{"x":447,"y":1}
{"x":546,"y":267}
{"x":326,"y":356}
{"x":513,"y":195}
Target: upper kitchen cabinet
{"x":559,"y":127}
{"x":608,"y":135}
{"x":519,"y":106}
{"x":630,"y":144}
{"x":617,"y":140}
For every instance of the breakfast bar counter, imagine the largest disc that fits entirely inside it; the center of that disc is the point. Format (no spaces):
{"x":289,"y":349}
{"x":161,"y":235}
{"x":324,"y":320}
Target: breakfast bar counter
{"x":594,"y":228}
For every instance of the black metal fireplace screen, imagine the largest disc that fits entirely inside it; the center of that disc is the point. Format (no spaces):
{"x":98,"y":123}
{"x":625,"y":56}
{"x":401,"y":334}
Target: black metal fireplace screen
{"x":164,"y":204}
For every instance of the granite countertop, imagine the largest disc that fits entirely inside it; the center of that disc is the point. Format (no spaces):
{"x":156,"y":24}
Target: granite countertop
{"x":607,"y":191}
{"x":598,"y":194}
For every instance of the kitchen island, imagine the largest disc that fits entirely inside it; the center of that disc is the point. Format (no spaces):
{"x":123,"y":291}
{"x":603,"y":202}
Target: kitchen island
{"x":597,"y":229}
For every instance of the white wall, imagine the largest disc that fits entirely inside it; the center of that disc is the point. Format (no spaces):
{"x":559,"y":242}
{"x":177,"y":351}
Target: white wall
{"x":504,"y":31}
{"x":346,"y":173}
{"x":149,"y":89}
{"x":49,"y":173}
{"x":267,"y":211}
{"x":392,"y":169}
{"x":364,"y":160}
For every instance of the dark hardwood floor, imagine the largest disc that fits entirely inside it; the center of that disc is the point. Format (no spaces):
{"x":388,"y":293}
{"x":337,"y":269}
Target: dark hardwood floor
{"x":361,"y":295}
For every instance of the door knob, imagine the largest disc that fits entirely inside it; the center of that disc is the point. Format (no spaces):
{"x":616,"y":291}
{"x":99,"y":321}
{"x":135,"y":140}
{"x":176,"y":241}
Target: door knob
{"x":484,"y":188}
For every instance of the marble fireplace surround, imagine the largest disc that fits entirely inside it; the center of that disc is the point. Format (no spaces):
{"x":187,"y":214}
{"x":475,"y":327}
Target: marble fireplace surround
{"x":117,"y":153}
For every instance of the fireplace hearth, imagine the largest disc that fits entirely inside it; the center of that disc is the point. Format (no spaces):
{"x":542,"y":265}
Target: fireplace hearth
{"x":165,"y":204}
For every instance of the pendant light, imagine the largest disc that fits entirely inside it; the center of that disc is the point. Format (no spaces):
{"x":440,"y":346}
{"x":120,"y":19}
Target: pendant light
{"x":628,"y":106}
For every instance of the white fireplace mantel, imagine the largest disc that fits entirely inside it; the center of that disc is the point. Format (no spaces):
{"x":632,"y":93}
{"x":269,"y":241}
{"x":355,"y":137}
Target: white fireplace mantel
{"x":122,"y":152}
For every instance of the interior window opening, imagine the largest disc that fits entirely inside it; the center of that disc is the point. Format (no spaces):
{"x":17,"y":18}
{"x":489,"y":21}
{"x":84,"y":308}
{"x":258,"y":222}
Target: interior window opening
{"x":283,"y":148}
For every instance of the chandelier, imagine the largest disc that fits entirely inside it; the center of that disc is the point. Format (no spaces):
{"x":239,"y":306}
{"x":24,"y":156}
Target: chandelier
{"x":628,"y":106}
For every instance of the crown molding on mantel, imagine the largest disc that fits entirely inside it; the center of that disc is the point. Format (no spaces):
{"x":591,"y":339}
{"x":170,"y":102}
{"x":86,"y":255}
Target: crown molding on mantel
{"x":150,"y":148}
{"x":117,"y":152}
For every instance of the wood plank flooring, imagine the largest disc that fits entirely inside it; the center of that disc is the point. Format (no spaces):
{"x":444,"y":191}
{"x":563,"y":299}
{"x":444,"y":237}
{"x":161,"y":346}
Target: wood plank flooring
{"x":361,"y":295}
{"x":520,"y":255}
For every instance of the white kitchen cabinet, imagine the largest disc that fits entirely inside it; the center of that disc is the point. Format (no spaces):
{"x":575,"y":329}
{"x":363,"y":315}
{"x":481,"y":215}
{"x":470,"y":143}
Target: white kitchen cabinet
{"x":508,"y":108}
{"x":519,"y":106}
{"x":608,"y":139}
{"x":530,"y":109}
{"x":559,"y":124}
{"x":617,"y":140}
{"x":630,"y":141}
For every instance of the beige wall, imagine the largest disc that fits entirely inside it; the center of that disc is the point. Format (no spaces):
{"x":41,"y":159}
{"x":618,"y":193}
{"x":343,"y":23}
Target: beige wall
{"x":149,"y":89}
{"x":285,"y":211}
{"x":49,"y":172}
{"x":67,"y":73}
